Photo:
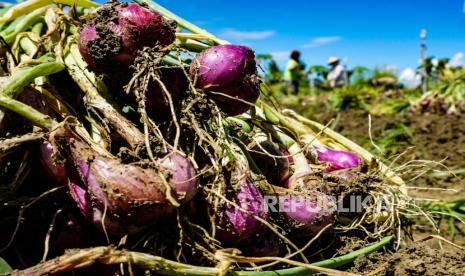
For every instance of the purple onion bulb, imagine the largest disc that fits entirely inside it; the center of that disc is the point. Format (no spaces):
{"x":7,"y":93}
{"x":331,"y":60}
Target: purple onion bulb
{"x":182,"y":175}
{"x":122,"y":198}
{"x":308,"y":213}
{"x":51,"y":168}
{"x":337,"y":159}
{"x":110,"y":44}
{"x":271,"y":161}
{"x":228,"y":74}
{"x":235,"y":225}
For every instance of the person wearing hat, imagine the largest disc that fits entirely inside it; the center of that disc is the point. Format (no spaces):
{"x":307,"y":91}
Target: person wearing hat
{"x":293,"y":72}
{"x":336,"y":76}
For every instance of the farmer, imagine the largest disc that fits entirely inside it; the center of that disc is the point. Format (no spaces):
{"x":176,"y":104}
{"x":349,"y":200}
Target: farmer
{"x":337,"y":75}
{"x":293,"y":72}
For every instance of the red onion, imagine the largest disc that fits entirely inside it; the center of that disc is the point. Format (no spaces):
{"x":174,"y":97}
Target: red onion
{"x":270,"y":160}
{"x":425,"y":102}
{"x":71,"y":230}
{"x":88,"y":35}
{"x":308,"y":213}
{"x":182,"y":175}
{"x":229,"y":70}
{"x":17,"y":125}
{"x":145,"y":25}
{"x":156,"y":101}
{"x":285,"y":152}
{"x":34,"y":98}
{"x":311,"y":209}
{"x":111,"y":41}
{"x":234,"y":225}
{"x":51,"y":168}
{"x":452,"y":110}
{"x":125,"y":198}
{"x":337,"y":159}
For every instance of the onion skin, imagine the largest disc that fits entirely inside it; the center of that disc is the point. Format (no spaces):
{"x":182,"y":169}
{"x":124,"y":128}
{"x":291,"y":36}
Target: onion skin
{"x":156,"y":103}
{"x":87,"y":35}
{"x":129,"y":197}
{"x":308,"y":213}
{"x":337,"y":159}
{"x":51,"y":168}
{"x":71,"y":231}
{"x":12,"y":124}
{"x":275,"y":169}
{"x":235,"y":226}
{"x":109,"y":44}
{"x":182,"y":175}
{"x":307,"y":181}
{"x":219,"y":65}
{"x":290,"y":159}
{"x":229,"y":70}
{"x":145,"y":25}
{"x":132,"y":197}
{"x":33,"y":98}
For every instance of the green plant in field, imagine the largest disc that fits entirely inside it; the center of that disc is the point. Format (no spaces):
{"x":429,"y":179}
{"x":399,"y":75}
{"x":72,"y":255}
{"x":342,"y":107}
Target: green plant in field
{"x":319,"y":70}
{"x":434,"y":69}
{"x":382,"y":73}
{"x":271,"y":69}
{"x":351,"y":97}
{"x":276,"y":90}
{"x":453,"y":84}
{"x":317,"y":75}
{"x":454,"y":92}
{"x":390,"y":140}
{"x":303,"y":104}
{"x":452,"y":211}
{"x":390,"y":106}
{"x":359,"y":76}
{"x":447,"y":94}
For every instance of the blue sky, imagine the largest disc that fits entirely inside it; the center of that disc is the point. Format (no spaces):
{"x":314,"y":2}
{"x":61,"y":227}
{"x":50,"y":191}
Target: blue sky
{"x":368,"y":33}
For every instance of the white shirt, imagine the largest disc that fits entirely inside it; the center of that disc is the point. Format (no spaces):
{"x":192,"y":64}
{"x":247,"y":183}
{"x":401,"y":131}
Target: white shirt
{"x":337,"y":76}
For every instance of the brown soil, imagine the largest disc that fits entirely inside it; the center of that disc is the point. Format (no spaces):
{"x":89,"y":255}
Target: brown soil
{"x":418,"y":259}
{"x":429,"y":137}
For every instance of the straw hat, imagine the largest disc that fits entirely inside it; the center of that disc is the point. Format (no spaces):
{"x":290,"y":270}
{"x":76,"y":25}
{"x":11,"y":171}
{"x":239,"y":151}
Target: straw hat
{"x":332,"y":60}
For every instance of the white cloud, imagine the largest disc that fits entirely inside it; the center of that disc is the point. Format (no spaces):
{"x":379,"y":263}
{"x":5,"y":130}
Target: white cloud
{"x":319,"y":41}
{"x":280,"y":55}
{"x":233,"y":34}
{"x":457,"y":60}
{"x":392,"y":68}
{"x":409,"y":78}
